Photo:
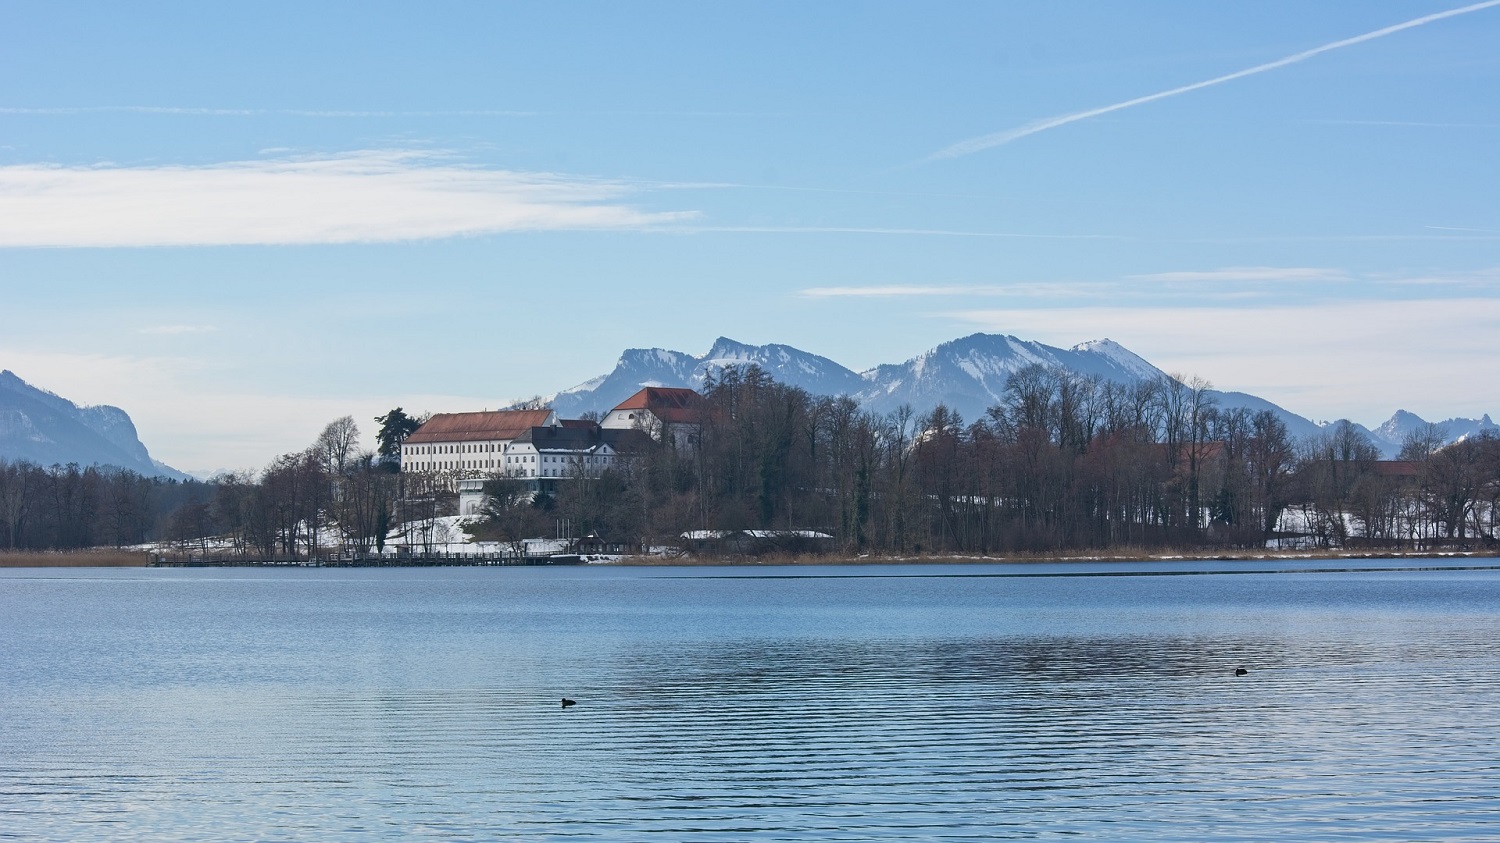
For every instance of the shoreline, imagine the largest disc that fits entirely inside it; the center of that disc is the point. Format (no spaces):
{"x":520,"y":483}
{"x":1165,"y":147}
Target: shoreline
{"x":1043,"y":558}
{"x":111,"y":558}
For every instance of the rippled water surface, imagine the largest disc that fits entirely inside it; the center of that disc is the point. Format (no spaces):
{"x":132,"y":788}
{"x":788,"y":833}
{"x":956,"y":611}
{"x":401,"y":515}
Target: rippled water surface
{"x":822,"y":703}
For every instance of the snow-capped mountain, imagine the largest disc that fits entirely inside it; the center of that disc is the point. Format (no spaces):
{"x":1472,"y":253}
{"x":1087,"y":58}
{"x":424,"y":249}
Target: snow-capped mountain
{"x":40,"y":427}
{"x":966,"y":374}
{"x":969,"y":374}
{"x":1392,"y":434}
{"x":817,"y":375}
{"x":641,"y":367}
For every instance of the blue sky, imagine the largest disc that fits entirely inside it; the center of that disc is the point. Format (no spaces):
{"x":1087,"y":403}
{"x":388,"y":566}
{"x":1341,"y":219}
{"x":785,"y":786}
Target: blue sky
{"x":240,"y":221}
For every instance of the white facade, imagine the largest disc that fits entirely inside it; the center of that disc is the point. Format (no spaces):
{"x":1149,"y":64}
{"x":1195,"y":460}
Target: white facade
{"x":468,"y":443}
{"x":641,"y":419}
{"x":666,"y":414}
{"x":470,"y":497}
{"x":525,"y":459}
{"x":484,"y":456}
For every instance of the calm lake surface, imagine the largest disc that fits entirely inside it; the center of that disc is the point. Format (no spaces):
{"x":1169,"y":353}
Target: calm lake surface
{"x":812,"y":703}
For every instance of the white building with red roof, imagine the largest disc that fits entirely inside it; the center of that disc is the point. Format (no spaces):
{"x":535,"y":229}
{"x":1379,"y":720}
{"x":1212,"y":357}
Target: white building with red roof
{"x":667,"y":414}
{"x":469,"y":442}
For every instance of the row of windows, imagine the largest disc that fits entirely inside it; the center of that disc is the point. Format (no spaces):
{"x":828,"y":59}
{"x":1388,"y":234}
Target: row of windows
{"x":482,"y":448}
{"x":416,"y":450}
{"x":532,"y":458}
{"x":443,"y":464}
{"x":515,"y":472}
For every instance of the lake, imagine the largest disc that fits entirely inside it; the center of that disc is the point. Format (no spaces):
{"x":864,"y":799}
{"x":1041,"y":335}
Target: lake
{"x":953,"y":702}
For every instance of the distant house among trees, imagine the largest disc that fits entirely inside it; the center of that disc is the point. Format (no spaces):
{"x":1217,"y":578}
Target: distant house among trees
{"x":666,"y":414}
{"x":562,"y":451}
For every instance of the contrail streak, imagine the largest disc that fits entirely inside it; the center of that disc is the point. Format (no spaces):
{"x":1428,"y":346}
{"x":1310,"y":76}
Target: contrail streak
{"x":972,"y":145}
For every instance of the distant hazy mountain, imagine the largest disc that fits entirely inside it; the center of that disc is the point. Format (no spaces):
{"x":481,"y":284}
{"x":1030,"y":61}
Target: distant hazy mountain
{"x":39,"y":427}
{"x":966,"y":374}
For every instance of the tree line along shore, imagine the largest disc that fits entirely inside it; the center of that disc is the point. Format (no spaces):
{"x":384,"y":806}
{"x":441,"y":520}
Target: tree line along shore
{"x":112,"y":558}
{"x":1061,"y":466}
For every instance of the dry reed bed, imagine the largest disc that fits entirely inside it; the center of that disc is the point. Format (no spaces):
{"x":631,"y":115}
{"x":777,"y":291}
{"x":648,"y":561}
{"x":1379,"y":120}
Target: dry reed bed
{"x":74,"y":559}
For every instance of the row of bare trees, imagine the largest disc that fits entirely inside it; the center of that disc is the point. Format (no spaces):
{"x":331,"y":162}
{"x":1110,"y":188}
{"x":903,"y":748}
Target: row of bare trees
{"x":1435,"y":495}
{"x":68,"y":507}
{"x":1061,"y":462}
{"x":331,"y":498}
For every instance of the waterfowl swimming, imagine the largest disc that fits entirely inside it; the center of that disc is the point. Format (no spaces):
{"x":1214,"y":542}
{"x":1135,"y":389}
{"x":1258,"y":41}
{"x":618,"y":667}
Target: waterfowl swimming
{"x":1240,"y":671}
{"x":567,"y":702}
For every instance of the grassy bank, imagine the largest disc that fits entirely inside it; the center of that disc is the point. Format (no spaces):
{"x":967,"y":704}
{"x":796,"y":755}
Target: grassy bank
{"x":73,"y":559}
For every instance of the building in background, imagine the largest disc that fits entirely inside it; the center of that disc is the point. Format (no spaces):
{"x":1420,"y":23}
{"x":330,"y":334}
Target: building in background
{"x":468,"y":443}
{"x":667,"y":414}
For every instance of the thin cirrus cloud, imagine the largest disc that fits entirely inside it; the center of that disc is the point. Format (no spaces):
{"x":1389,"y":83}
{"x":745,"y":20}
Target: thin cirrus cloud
{"x":360,"y":197}
{"x":895,"y":232}
{"x":188,"y":111}
{"x":1247,"y":274}
{"x":893,"y":291}
{"x":1242,"y":274}
{"x":1014,"y":290}
{"x":983,"y":142}
{"x":175,"y":330}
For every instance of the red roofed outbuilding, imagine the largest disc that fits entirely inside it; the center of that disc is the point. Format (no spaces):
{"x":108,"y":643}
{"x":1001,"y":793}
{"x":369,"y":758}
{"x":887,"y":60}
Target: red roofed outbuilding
{"x":669,"y":414}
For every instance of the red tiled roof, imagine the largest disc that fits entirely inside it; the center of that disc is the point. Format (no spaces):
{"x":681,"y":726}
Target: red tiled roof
{"x":476,"y":427}
{"x":670,"y":404}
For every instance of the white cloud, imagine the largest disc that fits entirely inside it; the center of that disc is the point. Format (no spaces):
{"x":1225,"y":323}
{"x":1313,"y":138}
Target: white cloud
{"x":182,"y":111}
{"x":983,"y":142}
{"x":1056,"y":290}
{"x":903,"y":232}
{"x":1247,"y":273}
{"x":891,"y":291}
{"x":1324,"y":360}
{"x":169,"y":330}
{"x":1419,"y":124}
{"x":369,"y":196}
{"x":1466,"y":230}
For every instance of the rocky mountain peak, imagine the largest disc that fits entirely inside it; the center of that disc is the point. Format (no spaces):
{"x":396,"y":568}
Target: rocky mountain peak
{"x":40,"y":427}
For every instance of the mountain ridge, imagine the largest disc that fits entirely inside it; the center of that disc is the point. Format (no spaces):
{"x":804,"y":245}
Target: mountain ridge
{"x":967,"y":374}
{"x":41,"y":427}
